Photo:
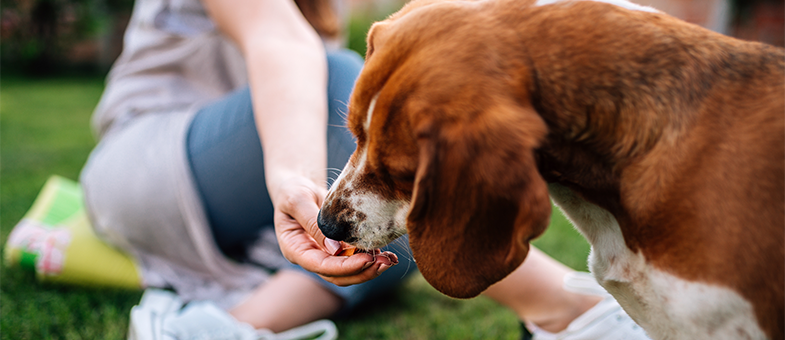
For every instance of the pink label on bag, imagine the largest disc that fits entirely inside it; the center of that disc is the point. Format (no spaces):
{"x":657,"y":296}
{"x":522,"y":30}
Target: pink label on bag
{"x":51,"y":258}
{"x":49,"y":244}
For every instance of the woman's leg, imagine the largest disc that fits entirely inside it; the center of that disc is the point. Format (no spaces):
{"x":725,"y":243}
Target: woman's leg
{"x":289,"y":299}
{"x":534,"y":292}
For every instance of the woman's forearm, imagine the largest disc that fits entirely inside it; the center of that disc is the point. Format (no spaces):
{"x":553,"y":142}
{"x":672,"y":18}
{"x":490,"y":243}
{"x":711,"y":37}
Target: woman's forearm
{"x":291,"y":112}
{"x":287,"y":73}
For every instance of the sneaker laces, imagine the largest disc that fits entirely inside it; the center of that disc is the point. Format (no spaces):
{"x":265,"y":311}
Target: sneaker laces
{"x":324,"y":329}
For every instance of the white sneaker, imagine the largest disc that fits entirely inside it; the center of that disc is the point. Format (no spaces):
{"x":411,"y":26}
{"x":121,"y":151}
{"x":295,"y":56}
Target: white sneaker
{"x":204,"y":321}
{"x":160,"y":316}
{"x":605,"y":321}
{"x":147,"y":318}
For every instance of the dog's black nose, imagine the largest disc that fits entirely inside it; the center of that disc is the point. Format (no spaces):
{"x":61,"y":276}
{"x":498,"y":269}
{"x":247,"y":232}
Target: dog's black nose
{"x":332,"y":228}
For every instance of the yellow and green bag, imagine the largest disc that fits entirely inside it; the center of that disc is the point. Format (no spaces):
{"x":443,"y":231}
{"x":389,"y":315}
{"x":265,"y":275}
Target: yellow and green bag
{"x":55,"y":239}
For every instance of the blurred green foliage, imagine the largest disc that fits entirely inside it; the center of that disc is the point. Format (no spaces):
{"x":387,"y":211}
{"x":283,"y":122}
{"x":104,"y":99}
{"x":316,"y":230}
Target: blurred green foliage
{"x":38,"y":34}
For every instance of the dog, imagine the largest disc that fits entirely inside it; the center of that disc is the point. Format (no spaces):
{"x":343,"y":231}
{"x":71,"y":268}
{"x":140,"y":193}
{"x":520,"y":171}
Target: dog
{"x":663,"y":143}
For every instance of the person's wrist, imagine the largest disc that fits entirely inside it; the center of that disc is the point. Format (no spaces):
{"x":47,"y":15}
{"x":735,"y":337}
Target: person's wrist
{"x":279,"y":184}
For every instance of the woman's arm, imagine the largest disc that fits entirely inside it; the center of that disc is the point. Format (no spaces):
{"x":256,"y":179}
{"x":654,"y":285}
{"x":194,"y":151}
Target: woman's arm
{"x":287,"y":72}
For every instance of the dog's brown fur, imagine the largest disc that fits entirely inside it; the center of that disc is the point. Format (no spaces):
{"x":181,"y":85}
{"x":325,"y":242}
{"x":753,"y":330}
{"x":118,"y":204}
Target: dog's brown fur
{"x":677,"y":131}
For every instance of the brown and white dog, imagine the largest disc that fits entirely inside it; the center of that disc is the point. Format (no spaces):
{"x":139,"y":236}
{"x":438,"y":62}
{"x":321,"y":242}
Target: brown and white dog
{"x":663,"y":142}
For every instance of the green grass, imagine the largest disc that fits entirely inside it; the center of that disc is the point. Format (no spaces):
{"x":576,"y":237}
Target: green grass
{"x":44,"y":130}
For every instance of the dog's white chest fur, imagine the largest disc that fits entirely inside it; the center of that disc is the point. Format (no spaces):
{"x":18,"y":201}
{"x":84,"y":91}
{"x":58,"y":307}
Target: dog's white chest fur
{"x":666,"y":306}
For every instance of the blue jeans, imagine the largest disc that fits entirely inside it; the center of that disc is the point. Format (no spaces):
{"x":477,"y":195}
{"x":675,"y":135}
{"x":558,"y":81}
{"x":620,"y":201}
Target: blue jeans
{"x":225,"y":155}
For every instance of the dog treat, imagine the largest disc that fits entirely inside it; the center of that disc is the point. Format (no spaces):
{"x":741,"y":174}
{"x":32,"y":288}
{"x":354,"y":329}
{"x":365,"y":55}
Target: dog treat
{"x":346,"y":250}
{"x":349,"y":250}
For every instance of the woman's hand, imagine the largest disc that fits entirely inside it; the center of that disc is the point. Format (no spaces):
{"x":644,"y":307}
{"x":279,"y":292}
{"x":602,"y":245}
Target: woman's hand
{"x":297,"y":201}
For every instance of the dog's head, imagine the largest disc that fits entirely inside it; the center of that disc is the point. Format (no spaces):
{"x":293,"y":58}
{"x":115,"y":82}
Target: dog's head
{"x":445,"y":147}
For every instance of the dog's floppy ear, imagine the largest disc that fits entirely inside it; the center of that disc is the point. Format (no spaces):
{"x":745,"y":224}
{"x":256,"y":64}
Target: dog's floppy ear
{"x":478,"y":198}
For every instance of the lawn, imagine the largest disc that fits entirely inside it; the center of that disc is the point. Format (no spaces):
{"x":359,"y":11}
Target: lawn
{"x":44,"y":130}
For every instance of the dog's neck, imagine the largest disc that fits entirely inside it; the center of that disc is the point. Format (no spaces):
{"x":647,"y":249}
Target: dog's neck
{"x":592,"y":86}
{"x":608,"y":102}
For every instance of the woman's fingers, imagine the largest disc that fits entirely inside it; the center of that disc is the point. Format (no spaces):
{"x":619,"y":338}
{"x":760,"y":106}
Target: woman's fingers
{"x":303,"y":243}
{"x":371,"y":270}
{"x":300,"y":248}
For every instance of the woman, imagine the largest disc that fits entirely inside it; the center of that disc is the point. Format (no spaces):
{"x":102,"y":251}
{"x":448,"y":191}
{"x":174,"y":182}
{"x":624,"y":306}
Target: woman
{"x":214,"y":125}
